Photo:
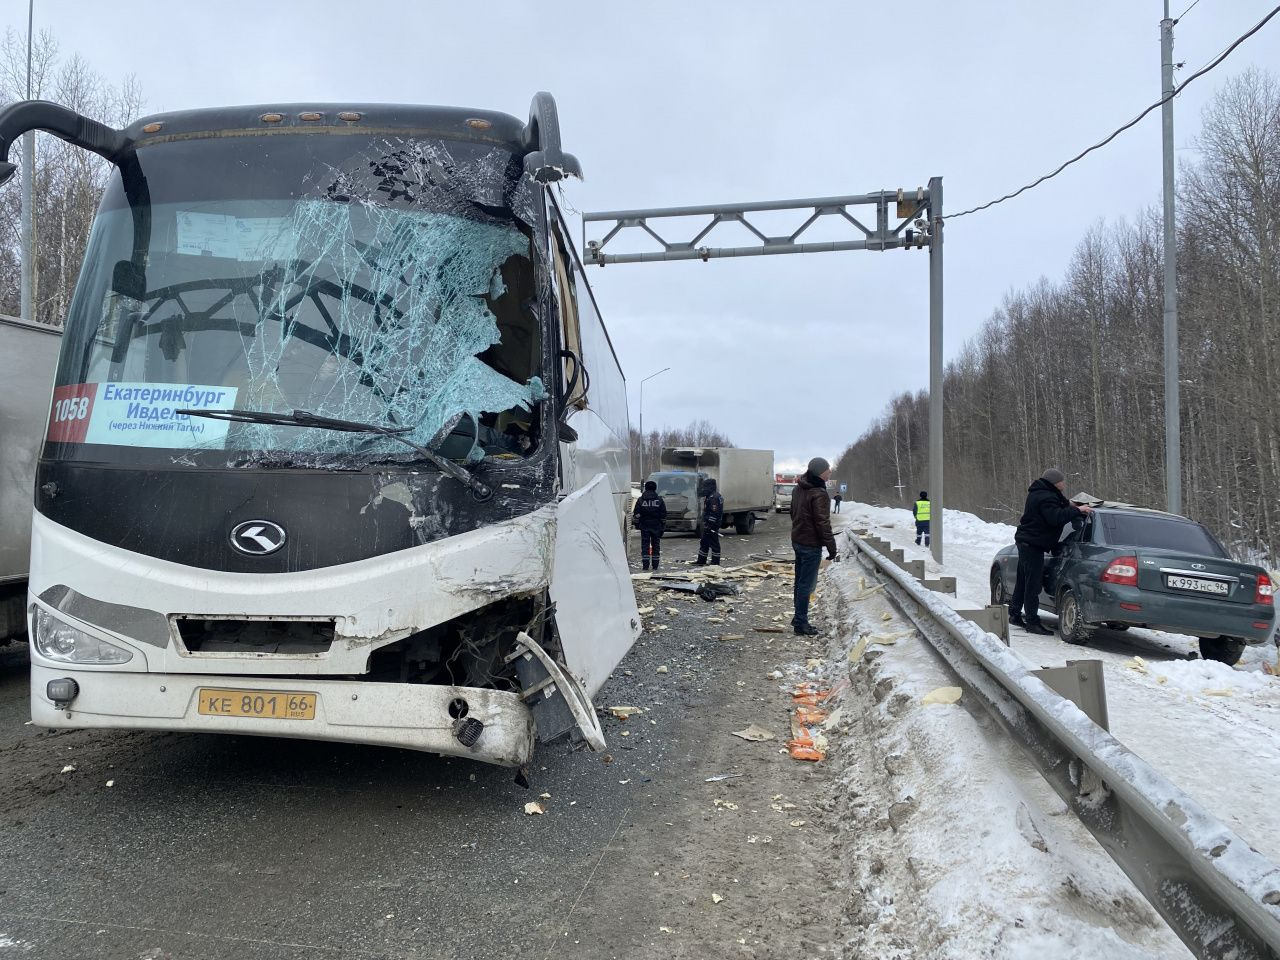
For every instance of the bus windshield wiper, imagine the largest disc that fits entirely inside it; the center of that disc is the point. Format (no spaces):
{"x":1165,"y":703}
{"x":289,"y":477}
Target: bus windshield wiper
{"x":304,"y":418}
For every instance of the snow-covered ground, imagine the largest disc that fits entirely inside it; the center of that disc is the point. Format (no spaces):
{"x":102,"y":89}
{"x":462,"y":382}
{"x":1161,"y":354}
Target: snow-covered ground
{"x":981,"y":855}
{"x":1213,"y":730}
{"x":957,"y":848}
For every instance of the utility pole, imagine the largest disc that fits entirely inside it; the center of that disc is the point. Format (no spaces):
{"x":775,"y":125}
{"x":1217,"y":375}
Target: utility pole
{"x":28,"y":198}
{"x":936,"y":493}
{"x":1172,"y":423}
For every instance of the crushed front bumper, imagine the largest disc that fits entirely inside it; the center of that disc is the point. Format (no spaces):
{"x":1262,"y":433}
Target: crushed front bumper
{"x":413,"y":716}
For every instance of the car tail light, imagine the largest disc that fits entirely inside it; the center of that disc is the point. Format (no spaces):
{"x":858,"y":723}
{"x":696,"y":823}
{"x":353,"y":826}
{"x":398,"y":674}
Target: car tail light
{"x":1265,"y":592}
{"x":1122,"y":570}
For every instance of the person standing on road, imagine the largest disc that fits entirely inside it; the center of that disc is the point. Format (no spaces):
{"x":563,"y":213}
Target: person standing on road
{"x":836,"y":500}
{"x":922,"y":518}
{"x":712,"y":518}
{"x":810,"y":532}
{"x":1046,"y":512}
{"x":650,"y":516}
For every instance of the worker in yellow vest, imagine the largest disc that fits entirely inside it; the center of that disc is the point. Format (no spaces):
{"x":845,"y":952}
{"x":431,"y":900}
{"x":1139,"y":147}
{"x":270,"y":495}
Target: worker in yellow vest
{"x":922,"y":518}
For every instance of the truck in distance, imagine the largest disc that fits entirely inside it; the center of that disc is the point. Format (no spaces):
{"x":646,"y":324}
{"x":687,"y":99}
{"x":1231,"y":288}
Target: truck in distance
{"x":783,"y":487}
{"x":337,"y":447}
{"x":743,"y":477}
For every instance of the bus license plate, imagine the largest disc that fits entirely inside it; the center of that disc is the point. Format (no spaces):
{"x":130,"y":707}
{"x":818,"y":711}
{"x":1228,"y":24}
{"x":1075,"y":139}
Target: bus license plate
{"x":1195,"y":583}
{"x":266,"y":704}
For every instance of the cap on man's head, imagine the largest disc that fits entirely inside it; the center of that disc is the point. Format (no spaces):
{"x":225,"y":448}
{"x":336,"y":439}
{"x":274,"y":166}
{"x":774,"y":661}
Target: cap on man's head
{"x":1053,"y":475}
{"x":924,"y":495}
{"x":650,"y":485}
{"x":818,"y":466}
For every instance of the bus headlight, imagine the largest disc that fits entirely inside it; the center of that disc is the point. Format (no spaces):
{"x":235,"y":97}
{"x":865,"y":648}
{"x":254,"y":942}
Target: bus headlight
{"x":60,"y":641}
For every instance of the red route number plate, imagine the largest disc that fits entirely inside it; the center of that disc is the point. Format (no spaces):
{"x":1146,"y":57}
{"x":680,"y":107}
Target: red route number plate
{"x":267,"y":704}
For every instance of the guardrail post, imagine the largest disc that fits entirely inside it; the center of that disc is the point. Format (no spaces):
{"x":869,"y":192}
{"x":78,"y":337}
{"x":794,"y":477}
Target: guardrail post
{"x":1081,"y":682}
{"x":993,"y":619}
{"x":913,"y":567}
{"x":941,"y":585}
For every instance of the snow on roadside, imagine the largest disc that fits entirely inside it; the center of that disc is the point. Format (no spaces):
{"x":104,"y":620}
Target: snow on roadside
{"x":1208,"y":677}
{"x":958,"y":847}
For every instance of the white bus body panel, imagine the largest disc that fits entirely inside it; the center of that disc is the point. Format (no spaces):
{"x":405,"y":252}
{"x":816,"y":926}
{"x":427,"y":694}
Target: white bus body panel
{"x":591,"y":586}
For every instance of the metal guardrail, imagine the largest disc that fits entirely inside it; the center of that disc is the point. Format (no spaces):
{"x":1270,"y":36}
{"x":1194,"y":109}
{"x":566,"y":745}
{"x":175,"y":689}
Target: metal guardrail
{"x":1218,"y":894}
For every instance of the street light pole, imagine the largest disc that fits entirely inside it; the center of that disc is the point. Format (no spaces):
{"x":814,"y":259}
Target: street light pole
{"x":642,"y":437}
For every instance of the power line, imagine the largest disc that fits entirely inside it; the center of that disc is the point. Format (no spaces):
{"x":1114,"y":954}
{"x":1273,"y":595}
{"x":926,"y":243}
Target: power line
{"x":1159,"y":103}
{"x":1185,"y":12}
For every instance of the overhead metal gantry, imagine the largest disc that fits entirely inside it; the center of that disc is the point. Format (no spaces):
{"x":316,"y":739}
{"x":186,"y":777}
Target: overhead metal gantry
{"x":898,"y":220}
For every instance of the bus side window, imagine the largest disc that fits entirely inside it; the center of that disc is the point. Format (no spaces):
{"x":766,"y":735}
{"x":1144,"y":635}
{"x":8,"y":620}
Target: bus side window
{"x":572,"y":368}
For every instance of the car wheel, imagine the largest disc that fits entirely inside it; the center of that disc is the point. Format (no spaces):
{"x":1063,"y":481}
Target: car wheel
{"x":1111,"y":625}
{"x":1071,"y":625}
{"x":999,"y":596}
{"x":1226,"y":650}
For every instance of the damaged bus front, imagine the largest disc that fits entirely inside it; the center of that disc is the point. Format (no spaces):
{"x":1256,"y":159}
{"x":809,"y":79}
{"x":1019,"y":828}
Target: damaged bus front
{"x":337,"y":447}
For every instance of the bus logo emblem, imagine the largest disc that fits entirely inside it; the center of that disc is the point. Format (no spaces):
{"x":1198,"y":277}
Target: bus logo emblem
{"x":257,"y":537}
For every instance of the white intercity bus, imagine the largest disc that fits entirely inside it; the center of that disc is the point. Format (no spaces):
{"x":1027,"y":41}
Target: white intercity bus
{"x":337,"y":446}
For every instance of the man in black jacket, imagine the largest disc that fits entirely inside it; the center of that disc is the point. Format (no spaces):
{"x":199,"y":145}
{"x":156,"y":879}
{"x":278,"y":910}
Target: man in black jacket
{"x":712,"y":518}
{"x":1046,"y":512}
{"x":649,"y":516}
{"x":810,"y":532}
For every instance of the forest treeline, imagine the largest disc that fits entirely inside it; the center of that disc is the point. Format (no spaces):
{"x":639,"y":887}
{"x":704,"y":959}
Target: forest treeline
{"x":1071,"y":373}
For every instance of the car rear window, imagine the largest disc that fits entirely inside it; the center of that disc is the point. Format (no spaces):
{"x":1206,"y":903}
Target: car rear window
{"x":1133,"y":530}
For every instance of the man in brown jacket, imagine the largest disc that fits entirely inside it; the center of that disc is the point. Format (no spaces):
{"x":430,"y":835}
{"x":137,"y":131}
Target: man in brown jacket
{"x":810,"y":532}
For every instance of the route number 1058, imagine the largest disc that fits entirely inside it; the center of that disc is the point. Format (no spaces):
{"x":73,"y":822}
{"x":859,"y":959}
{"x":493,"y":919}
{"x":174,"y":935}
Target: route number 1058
{"x":73,"y":408}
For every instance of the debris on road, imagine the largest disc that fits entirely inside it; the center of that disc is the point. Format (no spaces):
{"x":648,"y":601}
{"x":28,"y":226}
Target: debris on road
{"x":69,"y":768}
{"x":662,"y":668}
{"x":533,"y":807}
{"x":755,"y":733}
{"x":943,"y":695}
{"x":723,"y":776}
{"x":623,"y":712}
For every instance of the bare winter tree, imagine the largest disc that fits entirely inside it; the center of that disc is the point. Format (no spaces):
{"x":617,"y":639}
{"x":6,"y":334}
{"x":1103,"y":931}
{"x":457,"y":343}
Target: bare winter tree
{"x":699,"y":433}
{"x":68,"y":182}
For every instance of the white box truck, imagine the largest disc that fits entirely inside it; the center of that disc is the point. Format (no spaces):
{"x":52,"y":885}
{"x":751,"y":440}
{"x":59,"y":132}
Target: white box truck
{"x":28,"y":355}
{"x":743,"y":477}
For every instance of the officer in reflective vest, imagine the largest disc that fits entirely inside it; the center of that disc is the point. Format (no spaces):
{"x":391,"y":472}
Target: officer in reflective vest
{"x":922,"y":518}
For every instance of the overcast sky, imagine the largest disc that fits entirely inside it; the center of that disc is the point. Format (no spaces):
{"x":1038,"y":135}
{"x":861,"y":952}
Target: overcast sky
{"x":679,"y":103}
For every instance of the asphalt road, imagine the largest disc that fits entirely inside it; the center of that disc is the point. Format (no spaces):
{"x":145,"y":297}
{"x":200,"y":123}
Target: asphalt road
{"x":195,"y":846}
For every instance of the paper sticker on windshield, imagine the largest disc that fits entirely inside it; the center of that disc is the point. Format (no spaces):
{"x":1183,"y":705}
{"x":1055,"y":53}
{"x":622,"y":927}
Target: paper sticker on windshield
{"x":139,"y":414}
{"x":207,"y":235}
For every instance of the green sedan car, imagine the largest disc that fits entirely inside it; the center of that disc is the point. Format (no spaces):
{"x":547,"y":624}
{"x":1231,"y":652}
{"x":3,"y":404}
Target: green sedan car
{"x":1126,"y":567}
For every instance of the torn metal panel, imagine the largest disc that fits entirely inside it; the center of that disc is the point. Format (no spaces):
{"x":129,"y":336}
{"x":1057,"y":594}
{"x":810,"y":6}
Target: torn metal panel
{"x":591,"y":585}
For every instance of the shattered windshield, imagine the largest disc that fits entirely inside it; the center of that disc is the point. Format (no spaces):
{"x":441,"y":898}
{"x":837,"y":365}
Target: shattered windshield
{"x":386,"y":282}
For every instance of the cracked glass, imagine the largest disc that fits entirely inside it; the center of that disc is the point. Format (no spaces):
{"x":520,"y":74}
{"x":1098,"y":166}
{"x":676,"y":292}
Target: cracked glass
{"x":388,"y":281}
